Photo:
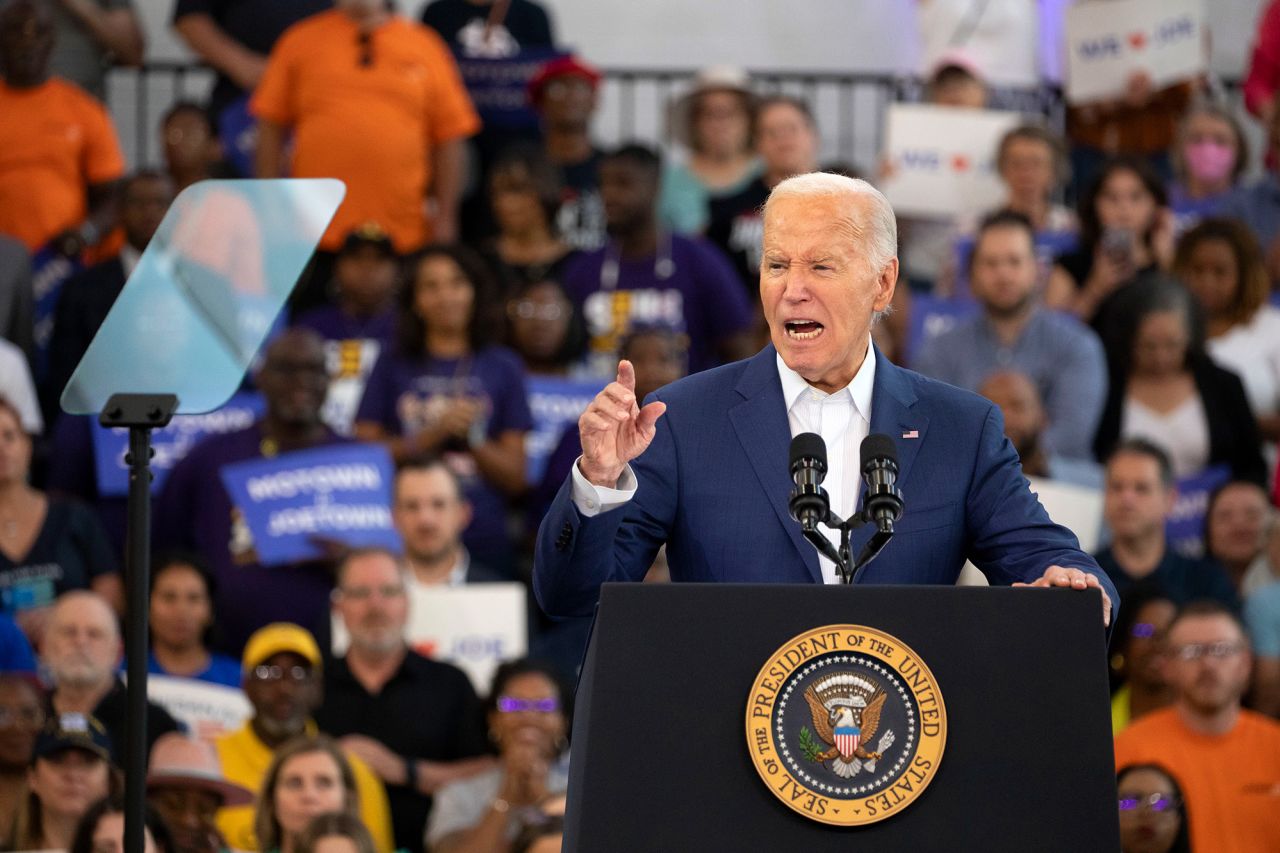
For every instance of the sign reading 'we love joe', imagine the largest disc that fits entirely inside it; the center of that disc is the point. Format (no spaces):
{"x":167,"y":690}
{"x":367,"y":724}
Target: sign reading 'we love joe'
{"x":942,"y":159}
{"x":1108,"y":41}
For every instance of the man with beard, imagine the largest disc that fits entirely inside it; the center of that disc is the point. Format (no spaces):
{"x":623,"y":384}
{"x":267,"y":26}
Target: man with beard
{"x":1025,"y":423}
{"x":1062,"y":356}
{"x":1226,"y":759}
{"x":282,"y":681}
{"x":381,"y":684}
{"x":195,"y":512}
{"x":81,"y":652}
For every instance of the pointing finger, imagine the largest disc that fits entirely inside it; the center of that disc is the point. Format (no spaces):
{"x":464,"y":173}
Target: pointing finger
{"x":627,"y":375}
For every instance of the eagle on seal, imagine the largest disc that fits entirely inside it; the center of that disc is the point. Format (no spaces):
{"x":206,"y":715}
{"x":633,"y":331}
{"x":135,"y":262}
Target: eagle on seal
{"x":845,"y":725}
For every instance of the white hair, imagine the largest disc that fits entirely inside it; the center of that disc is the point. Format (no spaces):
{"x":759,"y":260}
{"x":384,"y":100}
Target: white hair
{"x":880,"y":228}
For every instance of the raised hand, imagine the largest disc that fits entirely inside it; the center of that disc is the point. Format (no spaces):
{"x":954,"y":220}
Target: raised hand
{"x":614,"y":429}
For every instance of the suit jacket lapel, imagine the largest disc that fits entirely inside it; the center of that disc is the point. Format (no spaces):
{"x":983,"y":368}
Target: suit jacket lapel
{"x":760,"y":422}
{"x":892,"y":413}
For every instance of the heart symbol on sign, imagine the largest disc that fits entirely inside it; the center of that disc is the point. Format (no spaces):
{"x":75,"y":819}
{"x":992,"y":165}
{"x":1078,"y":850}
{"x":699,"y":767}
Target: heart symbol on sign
{"x":1138,"y":40}
{"x":960,"y":163}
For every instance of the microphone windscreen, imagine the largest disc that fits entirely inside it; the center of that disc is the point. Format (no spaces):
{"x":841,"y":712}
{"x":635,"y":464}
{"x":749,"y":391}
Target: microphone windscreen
{"x":808,"y":444}
{"x":878,"y":446}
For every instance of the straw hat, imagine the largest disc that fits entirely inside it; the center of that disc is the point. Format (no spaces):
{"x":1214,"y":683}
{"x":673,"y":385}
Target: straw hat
{"x":180,"y":762}
{"x":717,"y":78}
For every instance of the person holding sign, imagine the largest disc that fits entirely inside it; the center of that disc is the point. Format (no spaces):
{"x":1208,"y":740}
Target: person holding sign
{"x":195,"y":512}
{"x":447,"y":389}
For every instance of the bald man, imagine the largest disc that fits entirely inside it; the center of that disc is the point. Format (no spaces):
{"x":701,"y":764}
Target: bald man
{"x":1025,"y":423}
{"x":82,"y":649}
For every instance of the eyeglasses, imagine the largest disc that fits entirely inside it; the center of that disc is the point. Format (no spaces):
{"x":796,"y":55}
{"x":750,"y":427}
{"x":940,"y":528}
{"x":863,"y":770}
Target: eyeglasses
{"x":512,"y":705}
{"x":364,"y":593}
{"x":1158,"y":803}
{"x":31,"y":718}
{"x":1142,"y":630}
{"x":527,"y":309}
{"x":1217,"y":651}
{"x":365,"y":41}
{"x":281,"y":673}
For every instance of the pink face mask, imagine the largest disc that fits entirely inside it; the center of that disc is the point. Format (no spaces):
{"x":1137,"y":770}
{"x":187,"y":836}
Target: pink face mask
{"x":1210,"y":162}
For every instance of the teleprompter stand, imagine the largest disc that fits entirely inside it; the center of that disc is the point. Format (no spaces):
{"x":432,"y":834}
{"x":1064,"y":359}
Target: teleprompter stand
{"x":141,"y":413}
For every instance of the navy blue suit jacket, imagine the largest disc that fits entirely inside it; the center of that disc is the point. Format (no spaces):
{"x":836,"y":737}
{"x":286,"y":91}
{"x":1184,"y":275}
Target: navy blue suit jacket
{"x":714,"y":486}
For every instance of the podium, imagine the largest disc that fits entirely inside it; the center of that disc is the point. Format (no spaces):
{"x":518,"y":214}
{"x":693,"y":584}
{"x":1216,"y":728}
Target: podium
{"x":662,"y":759}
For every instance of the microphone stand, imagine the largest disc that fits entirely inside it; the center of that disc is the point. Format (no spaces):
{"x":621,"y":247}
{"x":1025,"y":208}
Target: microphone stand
{"x":849,"y":570}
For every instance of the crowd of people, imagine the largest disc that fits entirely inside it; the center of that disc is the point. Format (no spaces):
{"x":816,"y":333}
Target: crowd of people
{"x":487,"y":269}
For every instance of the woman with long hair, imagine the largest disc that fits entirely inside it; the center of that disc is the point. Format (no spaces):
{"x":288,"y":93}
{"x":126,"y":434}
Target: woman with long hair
{"x":448,"y":389}
{"x":1221,"y":264}
{"x":181,"y":618}
{"x":1153,"y":812}
{"x":308,"y":777}
{"x":335,"y":832}
{"x":101,"y":830}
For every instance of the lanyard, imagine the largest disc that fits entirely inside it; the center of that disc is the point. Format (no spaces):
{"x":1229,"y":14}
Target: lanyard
{"x":664,"y":267}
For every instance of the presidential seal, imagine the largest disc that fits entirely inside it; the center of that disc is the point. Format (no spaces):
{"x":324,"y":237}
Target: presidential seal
{"x":846,"y":725}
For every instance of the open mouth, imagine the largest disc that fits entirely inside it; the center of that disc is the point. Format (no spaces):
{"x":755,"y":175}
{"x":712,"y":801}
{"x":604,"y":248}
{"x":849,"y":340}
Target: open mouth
{"x":803,"y":330}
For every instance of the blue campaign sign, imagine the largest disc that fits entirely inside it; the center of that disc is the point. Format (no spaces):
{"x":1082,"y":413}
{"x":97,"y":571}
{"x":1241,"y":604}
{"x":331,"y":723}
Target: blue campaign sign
{"x":498,"y":86}
{"x":49,"y":271}
{"x":291,"y":502}
{"x":1185,"y":526}
{"x":171,"y":444}
{"x":556,"y":405}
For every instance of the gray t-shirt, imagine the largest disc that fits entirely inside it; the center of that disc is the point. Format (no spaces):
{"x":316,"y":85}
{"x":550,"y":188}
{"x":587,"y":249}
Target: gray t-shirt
{"x":463,"y":804}
{"x":77,"y":56}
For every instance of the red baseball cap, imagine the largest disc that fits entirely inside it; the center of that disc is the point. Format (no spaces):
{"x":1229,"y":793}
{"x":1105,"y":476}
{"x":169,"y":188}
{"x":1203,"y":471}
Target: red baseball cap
{"x":564,"y":66}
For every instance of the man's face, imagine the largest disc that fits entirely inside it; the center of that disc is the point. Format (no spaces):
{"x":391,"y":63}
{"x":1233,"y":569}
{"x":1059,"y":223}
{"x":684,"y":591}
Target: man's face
{"x":372,"y":602}
{"x":630,"y":195}
{"x":1208,"y":662}
{"x":284,"y":690}
{"x":82,"y":643}
{"x":366,"y":275}
{"x":1238,"y":523}
{"x":786,"y":141}
{"x":1136,"y":501}
{"x":1018,"y":401}
{"x":26,"y":40}
{"x":429,"y":513}
{"x":143,"y":206}
{"x":294,"y":379}
{"x":817,"y":286}
{"x":188,"y":141}
{"x":567,"y":100}
{"x":659,"y":357}
{"x":1004,"y":270}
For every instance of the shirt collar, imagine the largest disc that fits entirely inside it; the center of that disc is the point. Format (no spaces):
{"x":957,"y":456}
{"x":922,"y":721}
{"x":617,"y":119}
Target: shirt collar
{"x":458,"y":575}
{"x":859,"y":389}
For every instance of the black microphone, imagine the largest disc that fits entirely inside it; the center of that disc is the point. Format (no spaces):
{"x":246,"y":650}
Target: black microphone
{"x":882,"y":501}
{"x":809,"y":503}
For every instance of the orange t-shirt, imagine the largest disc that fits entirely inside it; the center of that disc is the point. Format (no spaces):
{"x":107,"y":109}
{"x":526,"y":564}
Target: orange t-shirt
{"x":1231,"y":782}
{"x":55,"y":141}
{"x":370,"y":126}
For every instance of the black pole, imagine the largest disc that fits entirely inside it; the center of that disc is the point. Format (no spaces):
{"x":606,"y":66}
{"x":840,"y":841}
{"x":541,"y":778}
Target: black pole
{"x":141,"y":413}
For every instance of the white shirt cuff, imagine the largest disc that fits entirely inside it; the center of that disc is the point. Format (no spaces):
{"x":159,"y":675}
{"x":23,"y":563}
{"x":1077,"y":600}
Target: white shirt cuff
{"x":591,"y":500}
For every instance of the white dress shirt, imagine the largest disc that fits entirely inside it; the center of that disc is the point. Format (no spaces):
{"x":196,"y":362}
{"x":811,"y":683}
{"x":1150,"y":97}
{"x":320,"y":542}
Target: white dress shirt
{"x":842,"y":418}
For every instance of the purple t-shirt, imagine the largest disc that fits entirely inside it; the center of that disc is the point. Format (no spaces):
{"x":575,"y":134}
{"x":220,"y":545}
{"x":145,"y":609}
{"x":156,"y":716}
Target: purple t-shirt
{"x":195,"y":512}
{"x":404,"y":395}
{"x":689,"y":287}
{"x":352,"y":347}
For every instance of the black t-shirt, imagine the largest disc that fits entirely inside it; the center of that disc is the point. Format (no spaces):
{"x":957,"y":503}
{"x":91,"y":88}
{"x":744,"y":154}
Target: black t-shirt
{"x":70,"y":550}
{"x":1181,"y":578}
{"x":253,"y":23}
{"x":580,"y":219}
{"x":461,"y":24}
{"x":735,"y":225}
{"x":428,"y":711}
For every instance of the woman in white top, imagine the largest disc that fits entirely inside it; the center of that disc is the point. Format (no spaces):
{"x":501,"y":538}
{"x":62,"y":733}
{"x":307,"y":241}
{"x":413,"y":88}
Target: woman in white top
{"x":1165,"y":389}
{"x":1221,"y":264}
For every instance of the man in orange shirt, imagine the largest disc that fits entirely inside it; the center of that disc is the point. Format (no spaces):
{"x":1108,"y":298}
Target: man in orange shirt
{"x":375,"y":100}
{"x":1225,"y":758}
{"x":60,"y":160}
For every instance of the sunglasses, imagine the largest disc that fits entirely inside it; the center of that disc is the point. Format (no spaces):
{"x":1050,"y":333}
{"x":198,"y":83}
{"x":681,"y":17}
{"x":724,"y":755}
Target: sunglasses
{"x":512,"y":705}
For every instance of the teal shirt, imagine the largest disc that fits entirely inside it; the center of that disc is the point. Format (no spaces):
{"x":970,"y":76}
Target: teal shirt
{"x":682,"y":199}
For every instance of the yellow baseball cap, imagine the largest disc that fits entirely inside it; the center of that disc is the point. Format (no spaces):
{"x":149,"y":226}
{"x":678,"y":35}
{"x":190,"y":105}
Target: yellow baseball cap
{"x":276,"y":638}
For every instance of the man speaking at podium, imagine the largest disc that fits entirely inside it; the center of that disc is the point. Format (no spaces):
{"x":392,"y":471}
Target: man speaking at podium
{"x":703,"y":466}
